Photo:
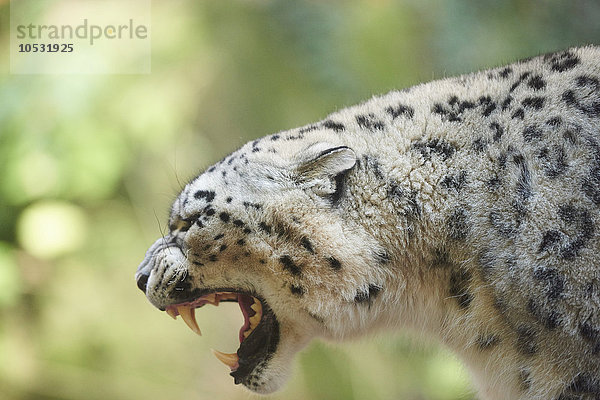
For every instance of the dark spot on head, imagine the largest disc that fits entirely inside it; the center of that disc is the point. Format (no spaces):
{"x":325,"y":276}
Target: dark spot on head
{"x":488,"y":105}
{"x":309,"y":128}
{"x":460,"y":281}
{"x":224,"y":216}
{"x":486,"y":342}
{"x":219,"y":236}
{"x":290,"y":265}
{"x":479,"y":144}
{"x":229,"y":199}
{"x":554,"y":122}
{"x":519,"y":114}
{"x":212,"y":257}
{"x":554,"y":161}
{"x":197,"y":222}
{"x":494,"y":182}
{"x":372,"y":164}
{"x":247,"y":230}
{"x":241,"y":242}
{"x":499,"y":304}
{"x":265,"y":227}
{"x":498,"y":131}
{"x":367,"y":296}
{"x":256,"y":206}
{"x":456,"y":182}
{"x":307,"y":245}
{"x":587,"y":96}
{"x":525,"y":379}
{"x":299,"y":136}
{"x":400,"y":110}
{"x":582,"y":384}
{"x":441,"y":259}
{"x":335,"y":126}
{"x":439,"y":147}
{"x":580,"y":217}
{"x":563,"y":61}
{"x":382,"y":256}
{"x":238,"y":222}
{"x":524,"y":190}
{"x":453,"y":110}
{"x":281,"y":230}
{"x":297,"y":290}
{"x":223,"y":247}
{"x":334,"y":263}
{"x":531,"y":132}
{"x":505,"y":72}
{"x":522,"y":78}
{"x":369,"y":122}
{"x":526,"y":340}
{"x":536,"y":83}
{"x":536,"y":103}
{"x":506,"y":103}
{"x":458,"y":224}
{"x":549,"y":241}
{"x":590,"y":334}
{"x":407,"y":201}
{"x":548,"y":318}
{"x":207,"y":195}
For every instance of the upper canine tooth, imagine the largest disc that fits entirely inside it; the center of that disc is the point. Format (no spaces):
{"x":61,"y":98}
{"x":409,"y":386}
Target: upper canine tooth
{"x":189,"y":316}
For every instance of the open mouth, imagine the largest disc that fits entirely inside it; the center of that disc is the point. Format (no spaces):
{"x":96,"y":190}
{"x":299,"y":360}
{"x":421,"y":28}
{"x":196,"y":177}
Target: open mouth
{"x":259,"y":335}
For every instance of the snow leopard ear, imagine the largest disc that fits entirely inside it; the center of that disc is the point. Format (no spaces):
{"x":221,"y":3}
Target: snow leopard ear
{"x":322,"y":168}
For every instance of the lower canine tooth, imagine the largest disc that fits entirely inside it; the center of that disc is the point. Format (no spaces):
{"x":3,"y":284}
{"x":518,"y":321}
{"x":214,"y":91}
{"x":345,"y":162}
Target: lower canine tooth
{"x":189,"y":316}
{"x":231,"y":360}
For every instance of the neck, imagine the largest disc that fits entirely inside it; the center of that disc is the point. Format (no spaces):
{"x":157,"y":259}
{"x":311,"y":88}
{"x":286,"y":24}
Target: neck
{"x":434,"y":288}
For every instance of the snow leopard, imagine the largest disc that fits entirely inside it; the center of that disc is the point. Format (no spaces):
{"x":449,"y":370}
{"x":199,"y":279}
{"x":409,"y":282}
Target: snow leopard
{"x":465,"y":209}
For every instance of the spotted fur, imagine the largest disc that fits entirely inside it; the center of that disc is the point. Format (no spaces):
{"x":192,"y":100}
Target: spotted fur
{"x":467,"y":208}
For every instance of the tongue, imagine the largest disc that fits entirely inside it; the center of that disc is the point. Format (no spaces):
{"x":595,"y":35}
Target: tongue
{"x":245,"y":302}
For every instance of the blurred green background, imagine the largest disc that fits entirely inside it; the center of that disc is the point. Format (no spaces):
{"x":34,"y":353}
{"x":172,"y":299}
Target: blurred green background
{"x":90,"y":164}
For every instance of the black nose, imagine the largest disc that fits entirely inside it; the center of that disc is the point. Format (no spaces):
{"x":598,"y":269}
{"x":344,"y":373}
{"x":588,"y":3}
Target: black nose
{"x":142,"y":281}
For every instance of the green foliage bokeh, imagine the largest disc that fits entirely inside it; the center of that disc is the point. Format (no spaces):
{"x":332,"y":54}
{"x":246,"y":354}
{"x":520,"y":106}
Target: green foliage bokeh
{"x":89,"y":165}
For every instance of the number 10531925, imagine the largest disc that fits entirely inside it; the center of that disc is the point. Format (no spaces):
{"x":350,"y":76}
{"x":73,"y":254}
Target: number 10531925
{"x":46,"y":48}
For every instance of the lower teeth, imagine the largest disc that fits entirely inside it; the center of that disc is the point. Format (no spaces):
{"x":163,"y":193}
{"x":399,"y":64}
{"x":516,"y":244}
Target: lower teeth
{"x":231,"y":360}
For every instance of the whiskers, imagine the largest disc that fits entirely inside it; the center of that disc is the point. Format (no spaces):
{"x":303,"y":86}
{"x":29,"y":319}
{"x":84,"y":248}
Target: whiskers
{"x":160,"y":228}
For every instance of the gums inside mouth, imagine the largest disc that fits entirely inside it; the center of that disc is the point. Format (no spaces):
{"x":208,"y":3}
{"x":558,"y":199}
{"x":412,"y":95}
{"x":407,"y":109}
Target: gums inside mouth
{"x":258,"y":336}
